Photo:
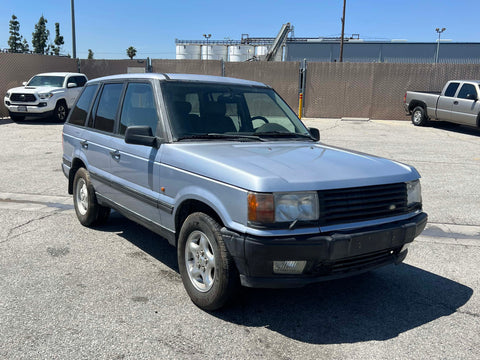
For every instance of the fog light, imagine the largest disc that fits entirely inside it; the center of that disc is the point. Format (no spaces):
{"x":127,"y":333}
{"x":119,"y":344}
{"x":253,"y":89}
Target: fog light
{"x":288,"y":267}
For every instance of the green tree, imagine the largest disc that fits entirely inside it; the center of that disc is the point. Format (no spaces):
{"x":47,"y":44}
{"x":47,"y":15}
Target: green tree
{"x":25,"y":47}
{"x":131,"y":52}
{"x":40,"y":37}
{"x":15,"y":40}
{"x":58,"y":40}
{"x":90,"y":54}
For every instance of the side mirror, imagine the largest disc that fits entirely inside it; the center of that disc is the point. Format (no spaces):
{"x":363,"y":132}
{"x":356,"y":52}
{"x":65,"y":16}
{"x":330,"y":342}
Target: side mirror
{"x":315,"y":133}
{"x":140,"y":135}
{"x":471,"y":97}
{"x":24,"y":83}
{"x":71,"y":85}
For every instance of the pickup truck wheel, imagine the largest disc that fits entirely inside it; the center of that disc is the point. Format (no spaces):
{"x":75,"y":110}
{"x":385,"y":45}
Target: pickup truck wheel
{"x":61,"y":111}
{"x":14,"y":117}
{"x":419,"y":117}
{"x":88,"y":211}
{"x":207,"y":269}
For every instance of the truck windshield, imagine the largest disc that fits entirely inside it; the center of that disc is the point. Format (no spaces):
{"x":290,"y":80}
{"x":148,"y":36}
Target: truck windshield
{"x":197,"y":110}
{"x":41,"y":80}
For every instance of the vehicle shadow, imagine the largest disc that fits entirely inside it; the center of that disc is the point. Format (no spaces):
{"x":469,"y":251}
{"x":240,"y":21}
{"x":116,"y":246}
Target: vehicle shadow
{"x":461,"y":129}
{"x":31,"y":121}
{"x":378,"y":305}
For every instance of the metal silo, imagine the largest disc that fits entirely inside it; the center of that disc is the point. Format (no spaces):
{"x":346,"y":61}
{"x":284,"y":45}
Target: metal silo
{"x":214,"y":52}
{"x":188,"y":52}
{"x":240,"y":52}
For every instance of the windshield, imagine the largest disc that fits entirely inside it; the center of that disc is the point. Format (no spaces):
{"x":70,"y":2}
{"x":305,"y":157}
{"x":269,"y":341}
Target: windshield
{"x":199,"y":110}
{"x":41,"y":80}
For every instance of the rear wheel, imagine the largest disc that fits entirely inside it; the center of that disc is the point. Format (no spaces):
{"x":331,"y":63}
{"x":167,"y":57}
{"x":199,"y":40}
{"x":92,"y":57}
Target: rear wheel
{"x":419,"y":116}
{"x":88,"y":211}
{"x":207,"y":269}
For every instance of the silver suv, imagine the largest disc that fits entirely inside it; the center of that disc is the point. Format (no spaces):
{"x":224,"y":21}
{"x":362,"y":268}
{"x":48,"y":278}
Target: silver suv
{"x":226,"y":172}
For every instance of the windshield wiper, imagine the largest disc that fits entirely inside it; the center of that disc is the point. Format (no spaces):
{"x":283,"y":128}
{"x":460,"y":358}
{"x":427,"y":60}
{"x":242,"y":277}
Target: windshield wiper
{"x":235,"y":137}
{"x":278,"y":134}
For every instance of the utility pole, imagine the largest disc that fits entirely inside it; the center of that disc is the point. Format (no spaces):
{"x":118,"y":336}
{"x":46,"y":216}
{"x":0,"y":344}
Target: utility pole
{"x":343,"y":31}
{"x":74,"y":45}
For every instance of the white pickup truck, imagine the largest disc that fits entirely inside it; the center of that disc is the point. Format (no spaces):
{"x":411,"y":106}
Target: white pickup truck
{"x":45,"y":95}
{"x":457,"y":103}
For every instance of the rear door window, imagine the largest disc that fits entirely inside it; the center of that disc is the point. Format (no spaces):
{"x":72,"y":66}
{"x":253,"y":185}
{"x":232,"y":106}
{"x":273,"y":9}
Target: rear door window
{"x":80,"y":111}
{"x":451,"y":89}
{"x":105,"y":114}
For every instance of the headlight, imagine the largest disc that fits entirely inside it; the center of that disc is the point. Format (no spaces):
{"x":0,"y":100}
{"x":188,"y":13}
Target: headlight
{"x":45,"y":95}
{"x":7,"y":95}
{"x":414,"y":193}
{"x":283,"y":207}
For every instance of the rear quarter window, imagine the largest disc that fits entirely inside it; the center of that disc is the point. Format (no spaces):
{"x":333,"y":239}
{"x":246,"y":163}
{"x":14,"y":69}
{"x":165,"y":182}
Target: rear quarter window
{"x":80,"y":111}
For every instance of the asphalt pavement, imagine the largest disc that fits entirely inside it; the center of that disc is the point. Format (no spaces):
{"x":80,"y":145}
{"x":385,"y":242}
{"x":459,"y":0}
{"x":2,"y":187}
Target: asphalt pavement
{"x":114,"y":292}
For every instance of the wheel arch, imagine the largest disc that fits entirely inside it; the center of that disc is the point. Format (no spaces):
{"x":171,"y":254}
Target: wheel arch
{"x":190,"y":206}
{"x":76,"y":164}
{"x":414,"y":103}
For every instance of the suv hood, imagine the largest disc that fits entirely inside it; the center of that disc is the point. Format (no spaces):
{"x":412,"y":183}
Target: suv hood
{"x":33,"y":89}
{"x":285,"y":166}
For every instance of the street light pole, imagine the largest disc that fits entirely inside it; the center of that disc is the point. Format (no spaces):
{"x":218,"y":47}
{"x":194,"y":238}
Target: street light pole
{"x":439,"y":31}
{"x":207,"y":36}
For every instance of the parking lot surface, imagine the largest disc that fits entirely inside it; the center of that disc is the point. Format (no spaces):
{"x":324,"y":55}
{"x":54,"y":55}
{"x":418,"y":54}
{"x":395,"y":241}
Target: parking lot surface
{"x":114,"y":292}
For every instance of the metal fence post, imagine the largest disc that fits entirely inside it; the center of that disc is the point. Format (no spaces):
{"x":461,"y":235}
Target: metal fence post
{"x":301,"y":87}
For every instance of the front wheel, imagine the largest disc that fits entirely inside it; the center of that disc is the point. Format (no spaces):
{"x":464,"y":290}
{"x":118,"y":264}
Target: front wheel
{"x":61,"y":111}
{"x":16,"y":118}
{"x":88,"y":211}
{"x":207,"y":269}
{"x":419,"y":116}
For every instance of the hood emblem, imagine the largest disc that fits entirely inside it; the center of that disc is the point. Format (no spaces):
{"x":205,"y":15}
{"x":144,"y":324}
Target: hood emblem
{"x":392,"y":207}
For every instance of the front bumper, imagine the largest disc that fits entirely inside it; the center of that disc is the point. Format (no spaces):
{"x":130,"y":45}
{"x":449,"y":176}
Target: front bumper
{"x":328,"y":256}
{"x":42,"y":108}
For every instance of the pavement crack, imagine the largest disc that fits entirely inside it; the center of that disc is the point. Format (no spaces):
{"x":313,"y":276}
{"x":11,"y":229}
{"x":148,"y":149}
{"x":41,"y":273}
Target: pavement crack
{"x":10,"y":235}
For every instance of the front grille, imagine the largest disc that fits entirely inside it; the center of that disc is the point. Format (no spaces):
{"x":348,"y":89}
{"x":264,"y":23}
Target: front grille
{"x":357,"y":263}
{"x":23,"y":97}
{"x":342,"y":206}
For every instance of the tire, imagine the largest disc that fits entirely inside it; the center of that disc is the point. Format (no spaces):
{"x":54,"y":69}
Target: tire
{"x":16,"y":118}
{"x":208,"y":271}
{"x":88,"y":211}
{"x":419,"y":116}
{"x":61,"y":111}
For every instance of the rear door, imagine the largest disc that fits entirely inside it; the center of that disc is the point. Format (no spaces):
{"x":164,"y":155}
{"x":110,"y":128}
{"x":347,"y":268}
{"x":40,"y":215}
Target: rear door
{"x":445,"y":102}
{"x":98,"y":136}
{"x":466,"y":106}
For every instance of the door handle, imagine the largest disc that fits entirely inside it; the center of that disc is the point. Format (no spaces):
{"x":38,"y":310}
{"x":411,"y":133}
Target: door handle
{"x":84,"y":144}
{"x":115,"y":154}
{"x":455,"y":102}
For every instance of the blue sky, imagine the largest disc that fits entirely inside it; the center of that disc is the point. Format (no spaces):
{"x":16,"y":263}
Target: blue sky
{"x":109,"y":27}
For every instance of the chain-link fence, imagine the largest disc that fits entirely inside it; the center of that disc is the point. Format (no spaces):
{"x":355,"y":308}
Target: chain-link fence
{"x":366,"y":90}
{"x":17,"y":68}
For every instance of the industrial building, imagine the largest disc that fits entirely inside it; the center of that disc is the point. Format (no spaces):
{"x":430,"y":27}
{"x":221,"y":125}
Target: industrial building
{"x":355,"y":49}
